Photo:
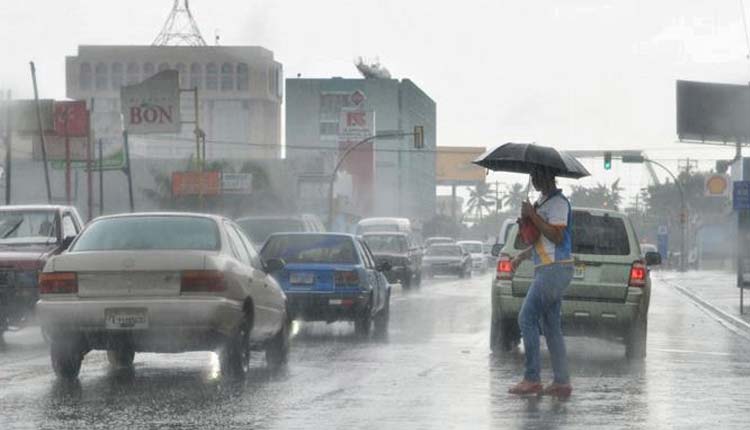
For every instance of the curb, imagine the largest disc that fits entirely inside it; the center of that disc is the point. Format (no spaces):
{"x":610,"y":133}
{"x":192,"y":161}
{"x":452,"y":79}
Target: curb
{"x":736,"y":325}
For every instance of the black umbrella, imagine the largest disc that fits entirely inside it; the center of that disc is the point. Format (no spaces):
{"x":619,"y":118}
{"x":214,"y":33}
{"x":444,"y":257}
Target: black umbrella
{"x":527,"y":157}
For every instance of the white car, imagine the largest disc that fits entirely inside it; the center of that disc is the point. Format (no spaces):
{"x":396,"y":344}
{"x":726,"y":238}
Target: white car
{"x":162,"y":282}
{"x":475,"y":248}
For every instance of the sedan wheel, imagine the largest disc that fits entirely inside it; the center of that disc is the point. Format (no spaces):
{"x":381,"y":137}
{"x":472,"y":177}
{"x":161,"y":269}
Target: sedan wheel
{"x":382,"y":319}
{"x":277,"y":352}
{"x":66,"y":356}
{"x":363,"y":324}
{"x":235,"y":356}
{"x":121,"y":358}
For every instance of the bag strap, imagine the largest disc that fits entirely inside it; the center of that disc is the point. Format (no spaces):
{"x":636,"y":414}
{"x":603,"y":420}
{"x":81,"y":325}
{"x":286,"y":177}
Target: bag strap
{"x":547,"y":199}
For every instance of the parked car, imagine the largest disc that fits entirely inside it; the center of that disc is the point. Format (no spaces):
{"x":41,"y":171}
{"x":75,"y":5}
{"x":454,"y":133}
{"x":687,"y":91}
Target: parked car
{"x":29,"y":235}
{"x":162,"y":282}
{"x":258,"y":228}
{"x":367,"y":225}
{"x":610,"y":293}
{"x":446,"y":259}
{"x":436,"y":240}
{"x":331,"y":277}
{"x":401,"y":252}
{"x":475,"y":249}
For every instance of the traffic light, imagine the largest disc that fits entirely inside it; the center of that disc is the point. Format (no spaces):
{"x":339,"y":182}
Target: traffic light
{"x":607,"y":160}
{"x":418,"y":137}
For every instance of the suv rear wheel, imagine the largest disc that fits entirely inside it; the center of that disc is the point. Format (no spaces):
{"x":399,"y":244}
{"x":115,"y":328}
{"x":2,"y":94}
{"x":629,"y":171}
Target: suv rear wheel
{"x":277,"y":352}
{"x":635,"y":339}
{"x":504,"y":335}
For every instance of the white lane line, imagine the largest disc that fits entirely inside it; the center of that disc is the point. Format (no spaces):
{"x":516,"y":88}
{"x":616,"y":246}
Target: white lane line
{"x":686,"y":351}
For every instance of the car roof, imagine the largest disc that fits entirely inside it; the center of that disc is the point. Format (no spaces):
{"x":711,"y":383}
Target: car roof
{"x":445,"y":245}
{"x":216,"y":218}
{"x":467,"y":242}
{"x":600,"y":212}
{"x":35,"y":207}
{"x":386,"y":233}
{"x":381,"y":220}
{"x":439,"y":237}
{"x":265,"y":217}
{"x":312,"y":233}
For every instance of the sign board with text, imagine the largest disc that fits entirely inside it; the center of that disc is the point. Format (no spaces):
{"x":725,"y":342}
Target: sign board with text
{"x":741,"y":195}
{"x":153,"y":106}
{"x":71,"y":118}
{"x":196,"y":183}
{"x":236,"y":183}
{"x":454,"y":165}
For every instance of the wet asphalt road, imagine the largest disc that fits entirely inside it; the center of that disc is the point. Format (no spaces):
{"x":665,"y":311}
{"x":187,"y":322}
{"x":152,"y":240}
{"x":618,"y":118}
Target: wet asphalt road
{"x":433,"y":372}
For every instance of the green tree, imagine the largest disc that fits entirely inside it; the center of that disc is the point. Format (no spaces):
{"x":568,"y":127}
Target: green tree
{"x":515,"y":198}
{"x":599,"y":197}
{"x":481,"y":199}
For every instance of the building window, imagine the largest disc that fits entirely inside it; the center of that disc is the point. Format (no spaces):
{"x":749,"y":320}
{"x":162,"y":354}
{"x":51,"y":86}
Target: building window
{"x":182,"y":71}
{"x":212,"y":77}
{"x":101,"y":77}
{"x":163,"y":67}
{"x":84,"y":76}
{"x":117,"y":75}
{"x":133,"y":73}
{"x":243,"y":77}
{"x":196,"y":75}
{"x":148,"y":70}
{"x":227,"y":77}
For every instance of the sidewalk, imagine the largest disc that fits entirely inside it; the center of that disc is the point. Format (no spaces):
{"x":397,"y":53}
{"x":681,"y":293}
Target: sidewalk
{"x":714,"y":290}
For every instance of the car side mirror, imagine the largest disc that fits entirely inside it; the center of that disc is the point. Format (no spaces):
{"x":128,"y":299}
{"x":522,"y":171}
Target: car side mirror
{"x":66,"y":242}
{"x":496,"y":248}
{"x":653,"y":258}
{"x":273,"y":265}
{"x":384,"y":267}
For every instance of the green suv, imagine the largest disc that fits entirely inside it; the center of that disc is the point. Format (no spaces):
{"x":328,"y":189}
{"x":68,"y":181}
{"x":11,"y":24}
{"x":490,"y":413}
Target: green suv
{"x":610,"y":292}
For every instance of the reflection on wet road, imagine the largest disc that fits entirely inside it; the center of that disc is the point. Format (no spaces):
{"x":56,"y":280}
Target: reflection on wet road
{"x":433,"y":371}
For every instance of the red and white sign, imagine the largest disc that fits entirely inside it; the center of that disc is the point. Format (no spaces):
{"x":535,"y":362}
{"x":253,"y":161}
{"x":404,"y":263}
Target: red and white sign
{"x":71,"y":118}
{"x":153,"y":106}
{"x":196,"y":183}
{"x":357,"y":97}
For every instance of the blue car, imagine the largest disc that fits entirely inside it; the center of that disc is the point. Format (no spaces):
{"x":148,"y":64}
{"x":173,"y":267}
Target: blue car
{"x":331,"y":277}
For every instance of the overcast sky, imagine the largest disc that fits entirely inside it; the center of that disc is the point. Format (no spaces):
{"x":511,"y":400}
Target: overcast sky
{"x":572,"y":74}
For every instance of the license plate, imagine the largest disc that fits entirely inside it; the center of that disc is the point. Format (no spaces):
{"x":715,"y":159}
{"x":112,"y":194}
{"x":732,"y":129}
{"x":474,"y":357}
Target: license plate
{"x":580,"y":271}
{"x":302,"y":278}
{"x":126,"y":319}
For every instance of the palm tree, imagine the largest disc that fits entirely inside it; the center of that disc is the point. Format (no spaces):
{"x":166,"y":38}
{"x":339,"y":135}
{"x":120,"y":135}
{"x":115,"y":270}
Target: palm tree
{"x":515,"y":197}
{"x":480,"y":199}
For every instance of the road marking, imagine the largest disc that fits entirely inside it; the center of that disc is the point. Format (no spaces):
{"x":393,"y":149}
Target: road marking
{"x":686,"y":351}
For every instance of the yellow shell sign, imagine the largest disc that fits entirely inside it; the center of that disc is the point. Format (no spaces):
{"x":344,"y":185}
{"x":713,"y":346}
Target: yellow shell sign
{"x":717,"y":185}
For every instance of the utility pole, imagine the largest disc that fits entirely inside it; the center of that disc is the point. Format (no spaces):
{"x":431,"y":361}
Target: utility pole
{"x":8,"y":156}
{"x":41,"y":132}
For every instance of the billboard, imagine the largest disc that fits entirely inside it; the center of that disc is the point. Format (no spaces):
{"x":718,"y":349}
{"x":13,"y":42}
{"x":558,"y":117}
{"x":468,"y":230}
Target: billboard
{"x":153,"y":106}
{"x":453,"y":165}
{"x":709,"y":112}
{"x":71,"y":118}
{"x":195,"y":183}
{"x":356,"y":125}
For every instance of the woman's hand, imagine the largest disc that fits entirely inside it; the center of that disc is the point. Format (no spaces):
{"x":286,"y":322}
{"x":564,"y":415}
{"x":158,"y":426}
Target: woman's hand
{"x":527,"y":209}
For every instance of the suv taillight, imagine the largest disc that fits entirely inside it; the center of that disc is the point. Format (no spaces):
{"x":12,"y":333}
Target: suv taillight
{"x":202,"y":281}
{"x":638,"y":272}
{"x":58,"y":283}
{"x":504,"y":268}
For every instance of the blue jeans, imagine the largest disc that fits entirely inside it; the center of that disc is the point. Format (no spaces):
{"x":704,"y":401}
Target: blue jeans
{"x":542,"y":303}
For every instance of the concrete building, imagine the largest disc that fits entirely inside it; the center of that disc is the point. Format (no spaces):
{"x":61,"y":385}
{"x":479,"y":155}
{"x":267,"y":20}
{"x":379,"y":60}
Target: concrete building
{"x":240,"y":94}
{"x":390,"y":178}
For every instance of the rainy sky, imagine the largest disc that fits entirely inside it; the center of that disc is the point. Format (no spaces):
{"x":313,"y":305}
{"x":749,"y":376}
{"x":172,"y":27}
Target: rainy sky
{"x":575,"y":74}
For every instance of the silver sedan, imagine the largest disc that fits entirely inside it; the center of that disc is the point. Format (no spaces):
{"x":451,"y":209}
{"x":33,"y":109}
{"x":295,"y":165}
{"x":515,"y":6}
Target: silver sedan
{"x":162,"y":282}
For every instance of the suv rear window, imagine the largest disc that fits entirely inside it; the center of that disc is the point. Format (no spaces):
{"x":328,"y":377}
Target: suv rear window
{"x":595,"y":235}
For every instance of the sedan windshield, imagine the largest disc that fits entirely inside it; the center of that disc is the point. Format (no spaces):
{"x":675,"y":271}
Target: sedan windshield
{"x":258,"y":229}
{"x":473,"y":248}
{"x":386,"y":243}
{"x":318,"y":248}
{"x":444,"y":251}
{"x":27,"y":227}
{"x":150,"y":233}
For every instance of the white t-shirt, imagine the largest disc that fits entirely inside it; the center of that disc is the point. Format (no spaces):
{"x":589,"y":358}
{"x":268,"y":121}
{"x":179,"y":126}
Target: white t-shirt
{"x":555,"y":211}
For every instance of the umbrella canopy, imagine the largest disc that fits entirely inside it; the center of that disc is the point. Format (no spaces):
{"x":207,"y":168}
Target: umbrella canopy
{"x":527,"y":157}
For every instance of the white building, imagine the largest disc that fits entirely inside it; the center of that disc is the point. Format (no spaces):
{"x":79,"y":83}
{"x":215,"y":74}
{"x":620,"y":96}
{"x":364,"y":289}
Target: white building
{"x":239,"y":87}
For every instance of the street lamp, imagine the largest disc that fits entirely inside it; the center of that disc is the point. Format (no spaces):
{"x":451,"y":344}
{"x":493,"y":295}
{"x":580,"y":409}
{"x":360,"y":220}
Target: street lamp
{"x":638,"y":158}
{"x":417,"y":134}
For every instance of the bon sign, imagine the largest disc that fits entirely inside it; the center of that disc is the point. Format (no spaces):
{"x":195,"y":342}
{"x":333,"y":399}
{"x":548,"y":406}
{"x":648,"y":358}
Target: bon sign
{"x":153,"y":106}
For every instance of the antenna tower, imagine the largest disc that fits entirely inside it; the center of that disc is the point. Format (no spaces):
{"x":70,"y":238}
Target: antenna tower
{"x":180,"y":28}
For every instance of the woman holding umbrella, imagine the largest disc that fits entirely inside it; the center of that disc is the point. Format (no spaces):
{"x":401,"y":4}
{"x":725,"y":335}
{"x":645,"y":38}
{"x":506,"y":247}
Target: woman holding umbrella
{"x":551,"y":254}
